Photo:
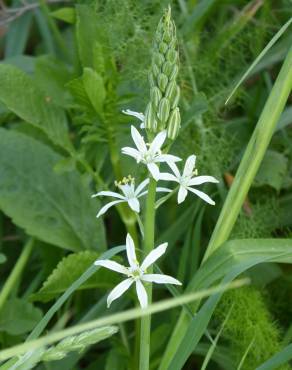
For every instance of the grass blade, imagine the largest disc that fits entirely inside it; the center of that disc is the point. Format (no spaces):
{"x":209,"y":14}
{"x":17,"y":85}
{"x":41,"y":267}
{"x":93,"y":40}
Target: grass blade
{"x":260,"y":56}
{"x":117,"y":318}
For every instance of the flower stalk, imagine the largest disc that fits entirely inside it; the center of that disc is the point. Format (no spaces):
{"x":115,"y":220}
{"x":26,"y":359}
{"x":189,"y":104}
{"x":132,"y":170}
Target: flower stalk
{"x":149,"y":231}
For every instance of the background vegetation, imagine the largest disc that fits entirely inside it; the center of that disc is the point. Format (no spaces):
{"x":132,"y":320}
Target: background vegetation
{"x":67,"y":71}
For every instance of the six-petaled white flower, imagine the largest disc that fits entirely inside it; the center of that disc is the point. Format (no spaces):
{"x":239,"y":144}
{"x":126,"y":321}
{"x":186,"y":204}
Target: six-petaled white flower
{"x":130,"y":194}
{"x":136,"y":273}
{"x":149,"y":154}
{"x":138,"y":115}
{"x":188,"y":179}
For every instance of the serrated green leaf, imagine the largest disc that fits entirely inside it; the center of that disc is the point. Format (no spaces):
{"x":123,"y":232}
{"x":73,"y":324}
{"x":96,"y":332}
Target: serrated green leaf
{"x":272,"y":170}
{"x":55,"y":208}
{"x":20,"y":94}
{"x":68,"y":270}
{"x":18,"y":316}
{"x":94,"y":87}
{"x":66,"y":14}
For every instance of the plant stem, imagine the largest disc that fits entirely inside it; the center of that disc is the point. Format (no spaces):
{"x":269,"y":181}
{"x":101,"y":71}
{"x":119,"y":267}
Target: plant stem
{"x":253,"y":156}
{"x":148,"y":246}
{"x":16,"y":272}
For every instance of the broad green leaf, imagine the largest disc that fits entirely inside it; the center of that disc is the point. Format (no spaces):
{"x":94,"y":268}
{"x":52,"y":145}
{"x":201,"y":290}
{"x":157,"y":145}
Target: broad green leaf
{"x":227,"y":262}
{"x":69,"y":269}
{"x":285,"y":119}
{"x":20,"y":94}
{"x":55,"y":208}
{"x":272,"y":170}
{"x":94,"y":87}
{"x":65,"y":14}
{"x":18,"y":316}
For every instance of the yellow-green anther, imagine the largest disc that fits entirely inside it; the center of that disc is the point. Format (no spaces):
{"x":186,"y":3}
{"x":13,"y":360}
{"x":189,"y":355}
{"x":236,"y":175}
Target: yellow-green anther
{"x":155,"y":96}
{"x":163,"y":110}
{"x":173,"y":124}
{"x":162,"y":81}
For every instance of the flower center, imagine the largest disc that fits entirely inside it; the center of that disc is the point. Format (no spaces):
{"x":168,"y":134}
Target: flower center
{"x":135,"y":273}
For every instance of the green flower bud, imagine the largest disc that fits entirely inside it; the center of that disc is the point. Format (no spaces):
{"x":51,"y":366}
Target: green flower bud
{"x":150,"y":119}
{"x":163,"y":110}
{"x":155,"y":70}
{"x":158,"y":59}
{"x":162,"y":81}
{"x":170,"y":90}
{"x":151,"y":80}
{"x":163,"y":47}
{"x":172,"y":56}
{"x":155,"y":96}
{"x":174,"y":72}
{"x":167,"y":68}
{"x":173,"y":124}
{"x":175,"y":100}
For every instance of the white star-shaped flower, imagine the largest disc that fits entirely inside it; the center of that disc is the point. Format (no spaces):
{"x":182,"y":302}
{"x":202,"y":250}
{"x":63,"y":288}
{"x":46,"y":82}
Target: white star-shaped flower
{"x":149,"y":154}
{"x":188,"y":179}
{"x":130,"y":195}
{"x":138,"y":115}
{"x":136,"y":273}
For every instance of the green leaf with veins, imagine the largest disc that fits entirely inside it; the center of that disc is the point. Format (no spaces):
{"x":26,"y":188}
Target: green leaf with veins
{"x":55,"y":208}
{"x":20,"y":94}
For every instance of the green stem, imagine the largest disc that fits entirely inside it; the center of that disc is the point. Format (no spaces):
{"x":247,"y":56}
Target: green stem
{"x":148,"y":247}
{"x":16,"y":272}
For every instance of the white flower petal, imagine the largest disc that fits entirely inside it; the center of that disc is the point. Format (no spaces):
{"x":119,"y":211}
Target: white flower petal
{"x":202,"y":179}
{"x":160,"y":279}
{"x":107,"y":206}
{"x":157,"y":142}
{"x":182,"y":193}
{"x":153,"y":256}
{"x":108,"y":194}
{"x":112,"y":265}
{"x":174,"y":169}
{"x":138,"y":140}
{"x":167,"y":158}
{"x":138,"y":115}
{"x":167,"y":176}
{"x":189,"y":166}
{"x":134,"y":204}
{"x":119,"y":290}
{"x":163,"y":190}
{"x":202,"y":195}
{"x":131,"y":254}
{"x":141,"y":186}
{"x":141,"y":293}
{"x":154,"y":170}
{"x":132,"y":152}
